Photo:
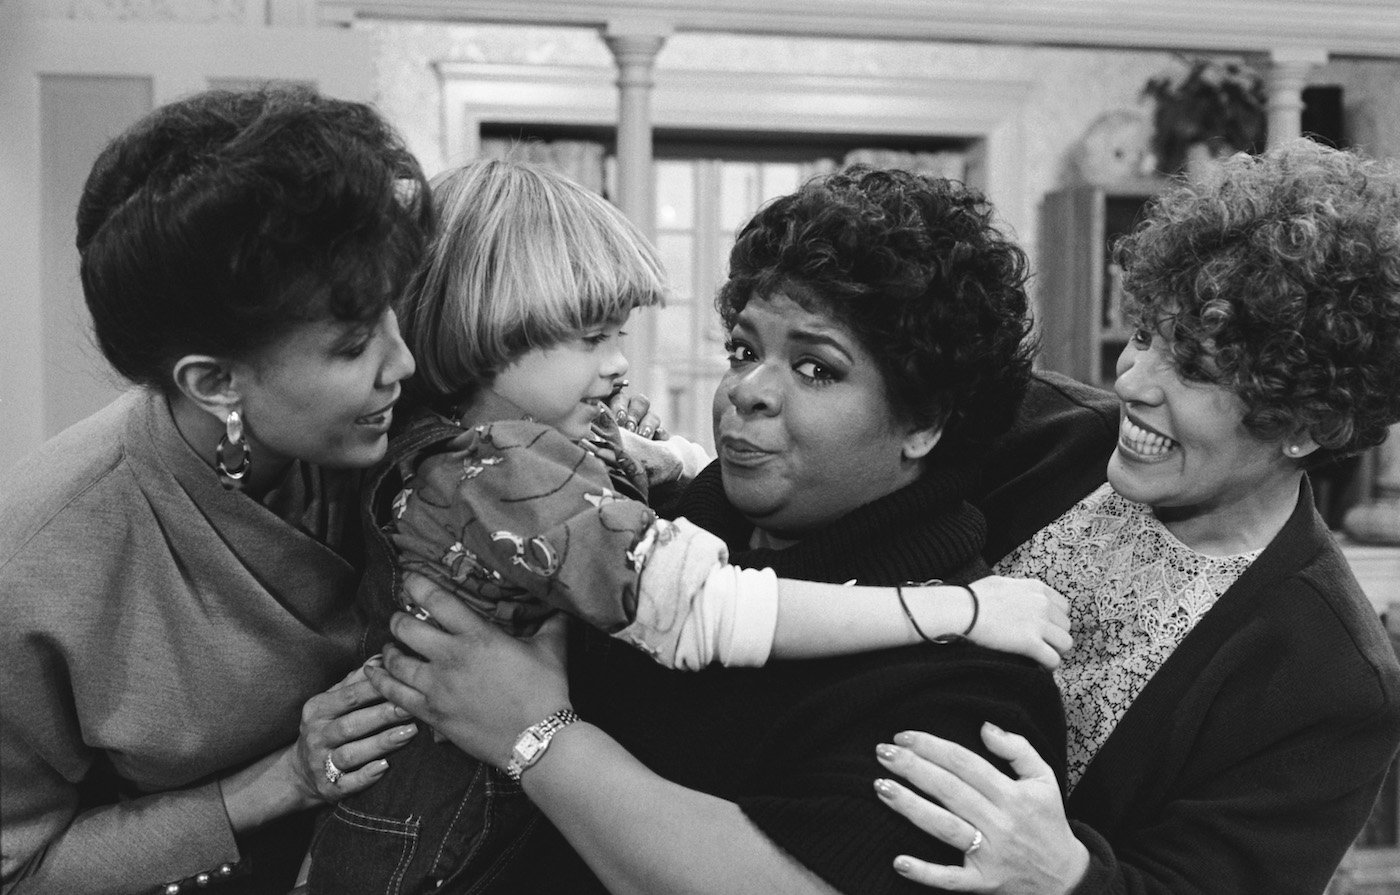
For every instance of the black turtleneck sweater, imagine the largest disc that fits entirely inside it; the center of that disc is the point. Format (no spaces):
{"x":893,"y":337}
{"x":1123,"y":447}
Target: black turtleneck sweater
{"x":793,"y":743}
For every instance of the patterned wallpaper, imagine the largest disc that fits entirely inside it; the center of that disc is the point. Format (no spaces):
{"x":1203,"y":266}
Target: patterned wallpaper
{"x":1071,"y":87}
{"x":183,"y":11}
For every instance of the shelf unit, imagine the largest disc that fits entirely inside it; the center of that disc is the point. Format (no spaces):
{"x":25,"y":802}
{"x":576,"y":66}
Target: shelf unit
{"x":1081,"y":330}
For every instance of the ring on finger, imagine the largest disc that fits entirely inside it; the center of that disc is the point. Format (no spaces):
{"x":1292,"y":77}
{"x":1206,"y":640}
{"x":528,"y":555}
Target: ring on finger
{"x":333,"y":773}
{"x":969,"y":851}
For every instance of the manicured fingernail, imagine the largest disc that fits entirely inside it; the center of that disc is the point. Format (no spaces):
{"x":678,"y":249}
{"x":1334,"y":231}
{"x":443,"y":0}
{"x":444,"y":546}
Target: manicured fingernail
{"x":631,"y":425}
{"x":645,"y":432}
{"x":400,"y":712}
{"x":885,"y":788}
{"x":375,"y":661}
{"x":903,"y":864}
{"x":904,"y":738}
{"x":886,"y":752}
{"x":399,"y":734}
{"x":376,"y":768}
{"x":621,"y":417}
{"x":996,"y":730}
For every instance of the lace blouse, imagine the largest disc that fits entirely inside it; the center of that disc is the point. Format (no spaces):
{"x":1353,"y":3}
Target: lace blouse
{"x":1135,"y":592}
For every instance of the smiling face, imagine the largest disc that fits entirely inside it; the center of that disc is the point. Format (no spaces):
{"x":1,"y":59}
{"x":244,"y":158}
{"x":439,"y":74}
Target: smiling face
{"x":324,"y":392}
{"x":1183,"y":449}
{"x":563,"y":385}
{"x":805,"y":431}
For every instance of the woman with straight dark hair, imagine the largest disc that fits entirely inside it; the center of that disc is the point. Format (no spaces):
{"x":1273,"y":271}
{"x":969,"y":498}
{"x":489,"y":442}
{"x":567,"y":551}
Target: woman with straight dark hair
{"x":178,"y":679}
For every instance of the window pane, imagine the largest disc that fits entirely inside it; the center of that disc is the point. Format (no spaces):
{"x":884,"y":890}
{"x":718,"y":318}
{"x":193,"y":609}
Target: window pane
{"x":780,"y":178}
{"x":677,"y":252}
{"x":675,"y":341}
{"x":739,"y":192}
{"x":675,"y":195}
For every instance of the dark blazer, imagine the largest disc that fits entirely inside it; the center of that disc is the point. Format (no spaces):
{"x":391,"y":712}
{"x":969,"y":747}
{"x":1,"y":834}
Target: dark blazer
{"x":1252,"y":758}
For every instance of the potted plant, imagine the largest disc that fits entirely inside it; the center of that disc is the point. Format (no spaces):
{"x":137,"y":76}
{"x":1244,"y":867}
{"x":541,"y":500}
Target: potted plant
{"x":1215,"y":109}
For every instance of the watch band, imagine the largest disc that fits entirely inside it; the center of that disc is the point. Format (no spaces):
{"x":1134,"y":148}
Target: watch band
{"x":530,"y":745}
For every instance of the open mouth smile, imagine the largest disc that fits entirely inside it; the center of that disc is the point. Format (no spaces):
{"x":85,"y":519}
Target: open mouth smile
{"x":1142,"y":442}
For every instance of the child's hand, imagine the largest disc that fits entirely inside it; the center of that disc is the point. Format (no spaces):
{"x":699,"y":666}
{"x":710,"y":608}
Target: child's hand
{"x":631,"y":412}
{"x":1022,"y":616}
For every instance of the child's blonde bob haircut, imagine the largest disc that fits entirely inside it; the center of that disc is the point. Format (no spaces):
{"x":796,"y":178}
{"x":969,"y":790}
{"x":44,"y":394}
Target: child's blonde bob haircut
{"x":523,"y":258}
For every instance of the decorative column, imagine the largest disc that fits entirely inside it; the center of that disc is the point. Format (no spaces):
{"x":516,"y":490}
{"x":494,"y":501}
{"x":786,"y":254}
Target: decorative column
{"x":1376,"y":519}
{"x":634,"y":45}
{"x":1286,"y":78}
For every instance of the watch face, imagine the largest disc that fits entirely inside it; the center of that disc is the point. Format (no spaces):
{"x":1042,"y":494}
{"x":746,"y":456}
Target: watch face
{"x":528,"y":747}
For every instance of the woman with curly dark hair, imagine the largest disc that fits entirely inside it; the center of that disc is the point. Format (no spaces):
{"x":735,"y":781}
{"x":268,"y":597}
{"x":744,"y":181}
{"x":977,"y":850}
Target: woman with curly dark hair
{"x":1233,"y":703}
{"x":878,"y":340}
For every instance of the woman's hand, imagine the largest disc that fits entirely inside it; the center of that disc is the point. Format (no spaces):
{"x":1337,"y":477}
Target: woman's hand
{"x":1023,"y":616}
{"x":351,"y":725}
{"x":1025,"y":846}
{"x":474,"y":683}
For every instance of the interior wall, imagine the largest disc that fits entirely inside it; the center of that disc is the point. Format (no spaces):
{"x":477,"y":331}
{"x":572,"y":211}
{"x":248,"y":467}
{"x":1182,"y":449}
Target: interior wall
{"x":1069,"y":88}
{"x":71,"y":77}
{"x":1370,"y":101}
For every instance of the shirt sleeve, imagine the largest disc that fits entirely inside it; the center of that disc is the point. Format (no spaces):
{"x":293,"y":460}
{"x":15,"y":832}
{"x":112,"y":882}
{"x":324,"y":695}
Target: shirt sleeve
{"x":693,"y":608}
{"x":519,"y":521}
{"x":674,"y":461}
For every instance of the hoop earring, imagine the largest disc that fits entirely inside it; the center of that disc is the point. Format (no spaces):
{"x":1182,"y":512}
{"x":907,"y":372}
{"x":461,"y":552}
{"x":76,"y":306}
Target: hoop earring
{"x":232,"y":479}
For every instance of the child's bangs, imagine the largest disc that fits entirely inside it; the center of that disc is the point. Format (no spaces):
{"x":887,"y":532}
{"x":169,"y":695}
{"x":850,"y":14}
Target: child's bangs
{"x":603,"y":269}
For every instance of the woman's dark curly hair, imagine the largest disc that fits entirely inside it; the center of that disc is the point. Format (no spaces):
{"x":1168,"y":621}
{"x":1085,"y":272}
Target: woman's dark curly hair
{"x":1279,"y":279}
{"x":218,"y":220}
{"x":914,"y":267}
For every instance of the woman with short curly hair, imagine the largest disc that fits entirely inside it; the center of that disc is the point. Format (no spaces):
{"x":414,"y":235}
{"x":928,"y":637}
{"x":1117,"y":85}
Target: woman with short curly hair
{"x":918,"y":274}
{"x":1233,"y":703}
{"x":1281,"y":285}
{"x":877,"y":335}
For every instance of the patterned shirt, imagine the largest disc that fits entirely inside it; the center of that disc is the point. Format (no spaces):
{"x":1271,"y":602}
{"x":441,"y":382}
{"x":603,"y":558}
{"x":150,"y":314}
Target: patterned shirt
{"x":1135,"y":592}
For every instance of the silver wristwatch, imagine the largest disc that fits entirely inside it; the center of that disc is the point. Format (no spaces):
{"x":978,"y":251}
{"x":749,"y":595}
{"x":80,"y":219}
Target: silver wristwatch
{"x":532,"y":743}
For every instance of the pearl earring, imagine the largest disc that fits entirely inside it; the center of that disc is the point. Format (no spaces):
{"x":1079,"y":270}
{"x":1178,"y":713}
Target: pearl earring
{"x":1294,"y":450}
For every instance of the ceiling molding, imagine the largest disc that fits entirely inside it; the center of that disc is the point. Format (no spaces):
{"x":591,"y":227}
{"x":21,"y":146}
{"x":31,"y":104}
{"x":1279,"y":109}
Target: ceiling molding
{"x":1340,"y":27}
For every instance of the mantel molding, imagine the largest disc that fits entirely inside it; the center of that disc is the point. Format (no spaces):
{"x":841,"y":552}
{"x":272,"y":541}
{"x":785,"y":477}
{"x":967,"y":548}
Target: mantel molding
{"x":1338,"y":27}
{"x":987,"y":110}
